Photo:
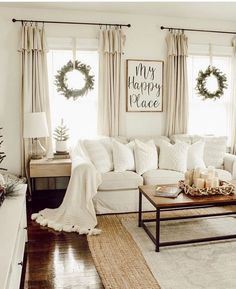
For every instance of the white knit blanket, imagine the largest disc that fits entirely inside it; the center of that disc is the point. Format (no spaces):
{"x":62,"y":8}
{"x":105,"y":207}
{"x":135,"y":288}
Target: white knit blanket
{"x":76,"y":213}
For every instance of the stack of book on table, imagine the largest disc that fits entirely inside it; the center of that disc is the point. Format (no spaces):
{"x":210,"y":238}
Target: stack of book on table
{"x":167,"y":191}
{"x":61,"y":155}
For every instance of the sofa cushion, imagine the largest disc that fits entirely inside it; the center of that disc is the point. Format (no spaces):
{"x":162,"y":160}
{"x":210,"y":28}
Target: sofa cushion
{"x":215,"y":150}
{"x":100,"y":154}
{"x":173,"y":156}
{"x":161,"y":177}
{"x":215,"y":147}
{"x":123,"y":156}
{"x":146,"y":157}
{"x":195,"y":155}
{"x":120,"y":181}
{"x":182,"y":137}
{"x":224,"y":175}
{"x":157,"y":139}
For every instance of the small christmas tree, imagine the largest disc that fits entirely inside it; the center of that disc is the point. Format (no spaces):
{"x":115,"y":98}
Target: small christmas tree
{"x":61,"y":132}
{"x":2,"y":154}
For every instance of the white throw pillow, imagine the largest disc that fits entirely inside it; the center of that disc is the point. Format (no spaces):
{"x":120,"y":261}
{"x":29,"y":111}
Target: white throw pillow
{"x":195,"y":155}
{"x":145,"y":156}
{"x":173,"y":157}
{"x":123,"y":156}
{"x":100,"y":155}
{"x":214,"y":152}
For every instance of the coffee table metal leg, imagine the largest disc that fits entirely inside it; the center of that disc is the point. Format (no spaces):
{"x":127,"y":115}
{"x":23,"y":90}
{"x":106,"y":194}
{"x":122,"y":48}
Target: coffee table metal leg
{"x":158,"y":230}
{"x":140,"y":209}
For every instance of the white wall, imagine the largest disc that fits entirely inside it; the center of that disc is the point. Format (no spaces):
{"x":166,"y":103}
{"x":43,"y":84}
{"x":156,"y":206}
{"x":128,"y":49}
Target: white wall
{"x":145,"y":40}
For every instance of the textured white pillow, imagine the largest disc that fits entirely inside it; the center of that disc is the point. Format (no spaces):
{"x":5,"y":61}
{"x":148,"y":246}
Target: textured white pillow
{"x":99,"y":154}
{"x":123,"y":156}
{"x":145,"y":156}
{"x":173,"y":157}
{"x":214,"y":152}
{"x":195,"y":155}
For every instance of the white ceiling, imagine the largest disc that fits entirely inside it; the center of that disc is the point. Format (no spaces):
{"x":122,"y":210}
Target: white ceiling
{"x":202,"y":10}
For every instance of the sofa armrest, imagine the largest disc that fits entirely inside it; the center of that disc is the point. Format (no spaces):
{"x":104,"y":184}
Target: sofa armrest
{"x":230,"y":164}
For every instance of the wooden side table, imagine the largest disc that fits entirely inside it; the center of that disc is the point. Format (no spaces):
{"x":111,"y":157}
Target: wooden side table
{"x":47,"y":168}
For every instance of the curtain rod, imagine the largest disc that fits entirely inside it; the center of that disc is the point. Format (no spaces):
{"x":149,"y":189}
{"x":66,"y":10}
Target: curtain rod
{"x":66,"y":22}
{"x":198,"y":30}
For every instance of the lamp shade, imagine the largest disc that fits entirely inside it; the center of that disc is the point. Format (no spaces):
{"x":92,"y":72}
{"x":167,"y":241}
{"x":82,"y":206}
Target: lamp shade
{"x":35,"y":125}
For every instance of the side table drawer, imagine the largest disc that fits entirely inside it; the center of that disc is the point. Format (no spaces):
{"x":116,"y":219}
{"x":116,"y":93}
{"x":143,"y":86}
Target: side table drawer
{"x":50,"y":170}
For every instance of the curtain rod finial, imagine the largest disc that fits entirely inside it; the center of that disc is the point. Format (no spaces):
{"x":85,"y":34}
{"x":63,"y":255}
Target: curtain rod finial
{"x":162,"y":27}
{"x":13,"y":20}
{"x":129,"y":25}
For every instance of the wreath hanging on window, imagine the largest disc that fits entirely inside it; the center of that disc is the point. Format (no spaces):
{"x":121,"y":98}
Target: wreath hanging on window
{"x":201,"y":86}
{"x":61,"y":80}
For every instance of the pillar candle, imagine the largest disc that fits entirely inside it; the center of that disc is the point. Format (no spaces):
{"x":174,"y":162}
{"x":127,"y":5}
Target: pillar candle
{"x":197,"y":173}
{"x":204,"y":176}
{"x":215,"y":182}
{"x":211,"y":172}
{"x":209,"y":183}
{"x":187,"y":182}
{"x":200,"y":183}
{"x":188,"y":177}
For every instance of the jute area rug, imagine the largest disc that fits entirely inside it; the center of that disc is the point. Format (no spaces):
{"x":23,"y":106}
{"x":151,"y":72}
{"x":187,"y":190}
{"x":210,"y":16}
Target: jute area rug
{"x":125,"y":257}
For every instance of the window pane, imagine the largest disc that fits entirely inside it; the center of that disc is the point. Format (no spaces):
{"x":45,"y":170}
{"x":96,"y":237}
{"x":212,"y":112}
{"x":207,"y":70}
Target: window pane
{"x":80,"y":115}
{"x":209,"y":116}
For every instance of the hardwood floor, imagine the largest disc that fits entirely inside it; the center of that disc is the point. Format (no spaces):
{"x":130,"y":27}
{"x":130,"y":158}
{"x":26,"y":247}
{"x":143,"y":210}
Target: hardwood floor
{"x":56,"y":260}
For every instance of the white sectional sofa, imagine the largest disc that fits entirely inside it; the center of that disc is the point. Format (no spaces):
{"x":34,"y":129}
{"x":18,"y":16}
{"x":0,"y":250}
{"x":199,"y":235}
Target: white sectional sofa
{"x":118,"y":191}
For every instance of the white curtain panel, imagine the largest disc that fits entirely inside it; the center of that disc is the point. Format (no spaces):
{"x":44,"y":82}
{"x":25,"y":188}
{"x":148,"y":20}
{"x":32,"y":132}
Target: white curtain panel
{"x":111,"y":44}
{"x":34,"y":86}
{"x":176,"y":84}
{"x":233,"y":115}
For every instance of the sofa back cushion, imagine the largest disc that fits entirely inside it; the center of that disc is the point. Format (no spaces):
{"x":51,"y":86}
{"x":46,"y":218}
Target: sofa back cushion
{"x":100,"y":154}
{"x":123,"y":156}
{"x":214,"y":150}
{"x":157,"y":139}
{"x":182,"y":137}
{"x":146,"y":157}
{"x":196,"y":155}
{"x":173,"y":157}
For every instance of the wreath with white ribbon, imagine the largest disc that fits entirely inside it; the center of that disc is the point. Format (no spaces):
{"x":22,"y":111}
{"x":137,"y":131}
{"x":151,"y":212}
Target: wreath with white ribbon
{"x":61,"y":80}
{"x":202,"y":79}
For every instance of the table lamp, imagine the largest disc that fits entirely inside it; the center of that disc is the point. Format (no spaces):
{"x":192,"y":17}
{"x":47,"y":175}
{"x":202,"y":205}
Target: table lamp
{"x":35,"y":126}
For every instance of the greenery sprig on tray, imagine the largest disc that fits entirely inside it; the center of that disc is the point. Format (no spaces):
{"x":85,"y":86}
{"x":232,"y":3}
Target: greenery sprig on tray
{"x":201,"y":83}
{"x":61,"y":80}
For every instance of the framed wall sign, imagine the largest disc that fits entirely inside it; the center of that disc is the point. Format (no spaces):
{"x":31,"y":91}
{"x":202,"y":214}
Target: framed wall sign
{"x":144,"y":85}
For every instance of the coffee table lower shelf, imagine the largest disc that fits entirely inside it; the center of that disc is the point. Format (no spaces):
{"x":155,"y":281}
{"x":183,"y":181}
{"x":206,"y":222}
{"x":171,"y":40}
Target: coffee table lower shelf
{"x":159,"y":219}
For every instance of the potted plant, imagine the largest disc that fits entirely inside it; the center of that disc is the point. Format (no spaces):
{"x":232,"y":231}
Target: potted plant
{"x":61,"y":136}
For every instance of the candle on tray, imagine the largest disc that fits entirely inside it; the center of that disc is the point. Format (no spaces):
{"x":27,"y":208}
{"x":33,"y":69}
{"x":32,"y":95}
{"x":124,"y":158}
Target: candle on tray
{"x":209,"y":183}
{"x":211,"y":172}
{"x":188,"y":179}
{"x":200,"y":183}
{"x":204,"y":176}
{"x":187,"y":182}
{"x":215,"y":182}
{"x":197,"y":173}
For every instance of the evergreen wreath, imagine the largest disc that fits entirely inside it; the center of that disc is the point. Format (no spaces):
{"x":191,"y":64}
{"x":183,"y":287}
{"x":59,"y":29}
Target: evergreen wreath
{"x":201,"y":83}
{"x":61,"y":80}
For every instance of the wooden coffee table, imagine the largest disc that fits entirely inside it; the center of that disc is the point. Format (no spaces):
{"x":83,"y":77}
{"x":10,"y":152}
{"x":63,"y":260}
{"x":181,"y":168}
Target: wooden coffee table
{"x":182,"y":202}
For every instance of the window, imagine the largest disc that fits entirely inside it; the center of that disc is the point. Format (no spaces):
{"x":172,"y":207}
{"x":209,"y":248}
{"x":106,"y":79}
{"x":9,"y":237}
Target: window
{"x":209,"y":116}
{"x":79,"y":115}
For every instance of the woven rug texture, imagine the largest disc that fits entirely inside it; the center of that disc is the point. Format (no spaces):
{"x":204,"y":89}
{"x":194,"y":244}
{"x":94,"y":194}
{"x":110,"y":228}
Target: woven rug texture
{"x":125,"y":256}
{"x":118,"y":259}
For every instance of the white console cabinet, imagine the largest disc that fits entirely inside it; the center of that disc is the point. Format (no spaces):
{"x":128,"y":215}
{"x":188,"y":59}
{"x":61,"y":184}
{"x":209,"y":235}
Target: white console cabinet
{"x":13,"y":235}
